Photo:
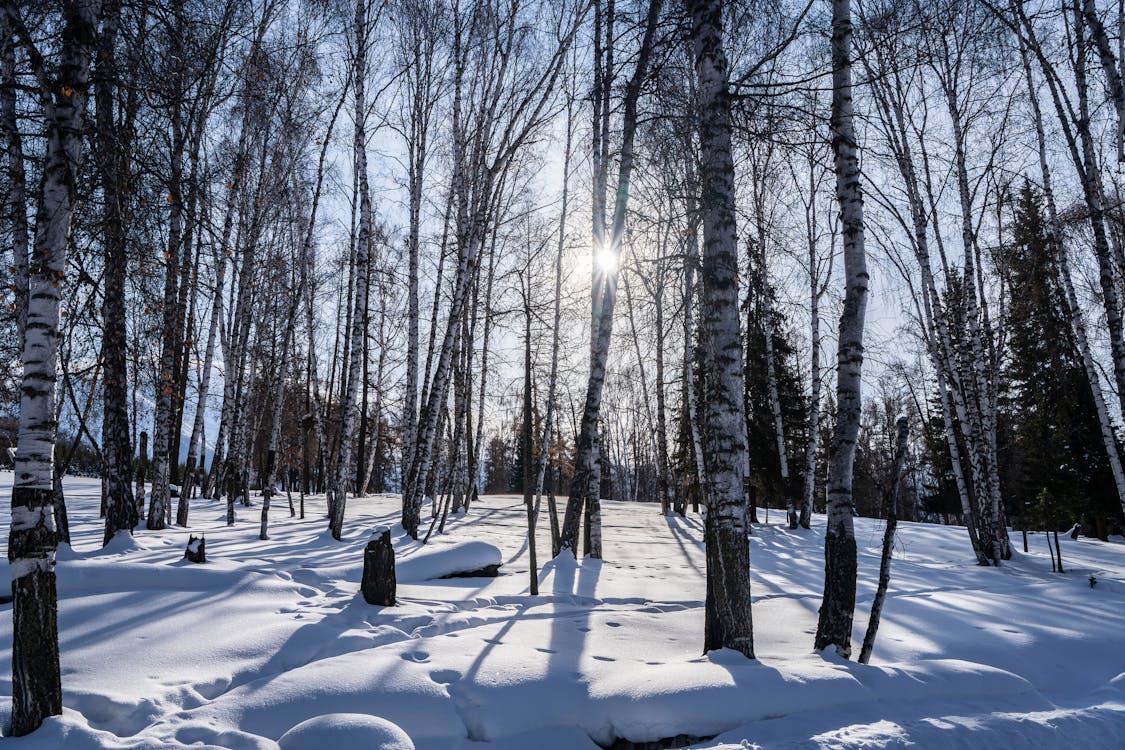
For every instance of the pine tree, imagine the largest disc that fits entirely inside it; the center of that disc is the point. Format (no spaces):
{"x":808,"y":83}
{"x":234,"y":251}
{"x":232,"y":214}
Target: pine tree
{"x":1053,"y":441}
{"x":765,"y":461}
{"x":938,"y":485}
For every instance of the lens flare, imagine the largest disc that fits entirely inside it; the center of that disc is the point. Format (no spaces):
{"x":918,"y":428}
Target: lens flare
{"x":605,"y":260}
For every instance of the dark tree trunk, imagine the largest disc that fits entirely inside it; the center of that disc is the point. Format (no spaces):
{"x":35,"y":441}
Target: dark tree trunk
{"x":888,"y":544}
{"x":112,"y":159}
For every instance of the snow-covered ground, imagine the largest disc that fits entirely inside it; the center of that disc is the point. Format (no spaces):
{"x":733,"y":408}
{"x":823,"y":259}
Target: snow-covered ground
{"x":157,"y":652}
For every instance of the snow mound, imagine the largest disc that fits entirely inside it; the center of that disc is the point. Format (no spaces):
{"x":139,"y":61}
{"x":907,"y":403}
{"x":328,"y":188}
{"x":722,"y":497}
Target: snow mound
{"x":122,"y":543}
{"x":438,"y":561}
{"x":359,"y":731}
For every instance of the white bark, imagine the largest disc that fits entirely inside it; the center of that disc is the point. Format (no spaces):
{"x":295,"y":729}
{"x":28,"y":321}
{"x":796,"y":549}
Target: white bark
{"x":889,"y":97}
{"x":838,"y":607}
{"x":1110,"y":67}
{"x":348,"y":404}
{"x":816,"y":291}
{"x":196,"y":439}
{"x":727,"y":619}
{"x":17,"y":181}
{"x":36,"y":682}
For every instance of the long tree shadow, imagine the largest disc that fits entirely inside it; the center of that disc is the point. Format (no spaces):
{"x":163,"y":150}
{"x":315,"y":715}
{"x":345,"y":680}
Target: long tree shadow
{"x":687,"y":541}
{"x":569,"y":631}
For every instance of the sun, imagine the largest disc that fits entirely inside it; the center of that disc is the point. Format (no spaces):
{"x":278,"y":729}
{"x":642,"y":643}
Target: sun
{"x":605,"y":260}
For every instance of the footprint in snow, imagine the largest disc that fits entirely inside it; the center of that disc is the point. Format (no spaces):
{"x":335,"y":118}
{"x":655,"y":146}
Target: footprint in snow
{"x":445,"y":676}
{"x":418,"y":657}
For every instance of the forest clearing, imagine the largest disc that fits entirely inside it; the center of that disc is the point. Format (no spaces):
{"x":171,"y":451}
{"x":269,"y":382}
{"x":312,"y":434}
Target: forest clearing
{"x":634,"y":374}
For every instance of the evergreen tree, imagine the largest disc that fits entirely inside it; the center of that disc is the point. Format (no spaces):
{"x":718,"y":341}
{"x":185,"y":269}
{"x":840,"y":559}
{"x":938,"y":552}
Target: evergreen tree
{"x":1051,"y":441}
{"x":938,"y":486}
{"x":765,"y":460}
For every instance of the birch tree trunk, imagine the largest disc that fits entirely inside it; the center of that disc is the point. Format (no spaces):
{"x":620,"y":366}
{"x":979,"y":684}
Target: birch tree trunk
{"x":416,"y":469}
{"x":837,"y":609}
{"x":599,"y":154}
{"x":194,"y":442}
{"x":1080,"y":144}
{"x":36,"y":682}
{"x":1089,"y":173}
{"x":975,"y":380}
{"x":493,"y":147}
{"x":142,"y":469}
{"x":527,"y":440}
{"x":728,"y":622}
{"x":552,"y":378}
{"x":778,"y":424}
{"x":691,"y":264}
{"x":377,"y":416}
{"x":1110,"y":66}
{"x":418,"y":38}
{"x":661,"y":407}
{"x":348,"y":404}
{"x":890,"y":100}
{"x":281,"y":365}
{"x":477,"y":440}
{"x":816,"y":291}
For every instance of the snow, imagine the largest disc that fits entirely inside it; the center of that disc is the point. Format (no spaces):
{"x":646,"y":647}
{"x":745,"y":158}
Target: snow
{"x":441,"y":558}
{"x":271,"y":645}
{"x":345,"y":730}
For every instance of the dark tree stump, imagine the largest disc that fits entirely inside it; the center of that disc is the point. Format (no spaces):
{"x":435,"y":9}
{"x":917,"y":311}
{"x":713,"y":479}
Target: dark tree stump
{"x":196,"y":549}
{"x":378,"y":583}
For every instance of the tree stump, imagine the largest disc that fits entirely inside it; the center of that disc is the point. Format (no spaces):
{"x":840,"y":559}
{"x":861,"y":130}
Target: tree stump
{"x":378,"y":583}
{"x":196,"y":549}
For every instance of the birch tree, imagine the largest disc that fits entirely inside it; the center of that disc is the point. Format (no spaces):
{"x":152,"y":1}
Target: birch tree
{"x":834,"y":627}
{"x":364,"y":241}
{"x":728,"y":622}
{"x":36,"y":682}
